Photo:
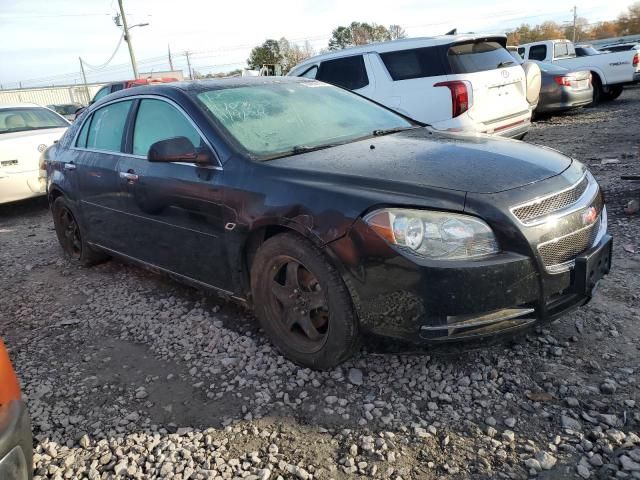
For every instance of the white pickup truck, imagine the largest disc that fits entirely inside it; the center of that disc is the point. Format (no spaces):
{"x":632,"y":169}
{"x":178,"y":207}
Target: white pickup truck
{"x":610,"y":71}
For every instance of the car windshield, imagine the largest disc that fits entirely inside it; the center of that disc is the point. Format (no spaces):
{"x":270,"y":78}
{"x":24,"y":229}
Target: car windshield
{"x":23,"y":119}
{"x":285,"y":118}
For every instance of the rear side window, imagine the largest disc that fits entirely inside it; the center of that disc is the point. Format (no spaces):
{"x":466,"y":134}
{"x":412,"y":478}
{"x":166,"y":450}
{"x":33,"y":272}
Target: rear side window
{"x":107,"y":127}
{"x":478,"y":57}
{"x":311,"y":72}
{"x":416,"y":63}
{"x":521,"y":52}
{"x":82,"y":138}
{"x":538,"y":52}
{"x":347,"y":72}
{"x":563,"y":49}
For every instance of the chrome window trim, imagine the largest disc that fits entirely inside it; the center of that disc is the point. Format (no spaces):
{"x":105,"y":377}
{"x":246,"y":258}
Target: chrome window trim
{"x":153,"y":97}
{"x":586,"y":197}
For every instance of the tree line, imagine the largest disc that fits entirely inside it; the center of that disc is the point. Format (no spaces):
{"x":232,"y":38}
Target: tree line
{"x":627,"y":23}
{"x":287,"y":54}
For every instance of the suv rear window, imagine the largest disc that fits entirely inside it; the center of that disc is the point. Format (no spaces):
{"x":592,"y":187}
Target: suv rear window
{"x":478,"y":57}
{"x":347,"y":72}
{"x":416,"y":63}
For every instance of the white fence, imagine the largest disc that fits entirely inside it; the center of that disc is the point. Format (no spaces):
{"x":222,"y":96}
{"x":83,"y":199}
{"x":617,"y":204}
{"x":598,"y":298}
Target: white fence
{"x":50,"y":95}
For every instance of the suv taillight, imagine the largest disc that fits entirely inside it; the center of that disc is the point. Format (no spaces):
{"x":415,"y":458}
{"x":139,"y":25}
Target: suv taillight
{"x":636,"y":59}
{"x":9,"y":386}
{"x":459,"y":95}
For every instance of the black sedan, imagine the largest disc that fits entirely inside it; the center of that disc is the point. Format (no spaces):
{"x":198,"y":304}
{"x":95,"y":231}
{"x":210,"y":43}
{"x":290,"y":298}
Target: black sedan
{"x":332,"y":216}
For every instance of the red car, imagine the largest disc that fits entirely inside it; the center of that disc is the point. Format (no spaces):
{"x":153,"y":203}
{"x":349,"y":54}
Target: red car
{"x":15,"y":428}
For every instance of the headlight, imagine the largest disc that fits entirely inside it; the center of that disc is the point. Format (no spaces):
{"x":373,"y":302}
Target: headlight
{"x":436,"y":235}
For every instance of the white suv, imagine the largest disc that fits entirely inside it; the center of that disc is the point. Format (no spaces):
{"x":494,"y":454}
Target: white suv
{"x":452,"y":82}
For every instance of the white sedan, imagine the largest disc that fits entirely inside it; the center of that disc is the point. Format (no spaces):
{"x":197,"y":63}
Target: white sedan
{"x":26,"y":131}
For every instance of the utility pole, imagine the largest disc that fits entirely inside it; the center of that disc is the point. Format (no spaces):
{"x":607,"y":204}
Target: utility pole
{"x":170,"y":61}
{"x":186,"y":54}
{"x":84,"y":79}
{"x":575,"y":21}
{"x":127,"y":37}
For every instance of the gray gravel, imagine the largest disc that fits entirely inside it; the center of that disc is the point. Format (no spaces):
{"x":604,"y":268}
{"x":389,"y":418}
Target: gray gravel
{"x":131,"y":375}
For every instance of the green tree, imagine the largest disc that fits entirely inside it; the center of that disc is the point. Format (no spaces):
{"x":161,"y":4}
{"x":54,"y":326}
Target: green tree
{"x":266,"y":54}
{"x":358,"y":33}
{"x":292,"y":54}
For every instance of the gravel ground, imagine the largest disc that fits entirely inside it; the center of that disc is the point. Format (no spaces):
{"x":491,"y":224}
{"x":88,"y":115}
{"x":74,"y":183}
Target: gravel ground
{"x":131,"y":375}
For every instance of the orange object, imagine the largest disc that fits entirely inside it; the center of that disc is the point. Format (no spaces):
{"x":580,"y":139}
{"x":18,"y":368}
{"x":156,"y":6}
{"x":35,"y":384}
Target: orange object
{"x":9,"y":386}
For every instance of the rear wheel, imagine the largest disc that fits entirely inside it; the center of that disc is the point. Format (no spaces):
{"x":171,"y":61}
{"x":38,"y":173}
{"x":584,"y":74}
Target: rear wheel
{"x":70,"y":235}
{"x":612,"y":93}
{"x":598,"y":91}
{"x":302,"y":303}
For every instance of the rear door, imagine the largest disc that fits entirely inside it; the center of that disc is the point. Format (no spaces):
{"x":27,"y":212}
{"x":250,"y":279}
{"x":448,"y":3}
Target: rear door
{"x":498,"y":82}
{"x":173,"y":212}
{"x":405,"y":80}
{"x":93,"y":163}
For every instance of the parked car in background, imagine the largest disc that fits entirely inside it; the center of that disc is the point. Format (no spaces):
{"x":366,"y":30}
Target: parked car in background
{"x":67,"y":110}
{"x":610,"y":71}
{"x":123,"y":85}
{"x":563,"y":89}
{"x":587,"y":50}
{"x":333,"y":216}
{"x":26,"y":130}
{"x":16,"y":449}
{"x":621,"y":47}
{"x":453,"y":82}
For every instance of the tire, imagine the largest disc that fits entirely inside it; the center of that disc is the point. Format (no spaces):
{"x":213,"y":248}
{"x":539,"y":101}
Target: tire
{"x":534,"y":81}
{"x":612,"y":93}
{"x":302,"y":303}
{"x":598,"y":91}
{"x":71,"y":236}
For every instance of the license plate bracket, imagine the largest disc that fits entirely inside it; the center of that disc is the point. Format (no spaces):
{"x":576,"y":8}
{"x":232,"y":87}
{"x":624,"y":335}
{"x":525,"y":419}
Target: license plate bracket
{"x":591,"y":266}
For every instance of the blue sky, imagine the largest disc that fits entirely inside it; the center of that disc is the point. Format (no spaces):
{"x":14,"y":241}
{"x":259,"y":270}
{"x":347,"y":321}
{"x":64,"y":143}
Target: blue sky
{"x":44,"y":38}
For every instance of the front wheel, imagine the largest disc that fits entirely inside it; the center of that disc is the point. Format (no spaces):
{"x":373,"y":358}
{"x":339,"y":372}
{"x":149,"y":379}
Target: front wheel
{"x":70,"y":235}
{"x":302,"y":303}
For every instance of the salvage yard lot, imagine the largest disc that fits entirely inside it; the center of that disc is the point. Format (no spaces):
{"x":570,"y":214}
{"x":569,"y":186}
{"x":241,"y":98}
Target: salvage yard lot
{"x":130,"y":374}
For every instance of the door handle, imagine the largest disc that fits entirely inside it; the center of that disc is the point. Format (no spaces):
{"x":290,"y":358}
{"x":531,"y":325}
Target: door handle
{"x":129,"y":176}
{"x":69,"y":166}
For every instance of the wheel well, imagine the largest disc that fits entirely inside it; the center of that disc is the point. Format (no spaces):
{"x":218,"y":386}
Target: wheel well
{"x":594,"y":75}
{"x":53,"y":194}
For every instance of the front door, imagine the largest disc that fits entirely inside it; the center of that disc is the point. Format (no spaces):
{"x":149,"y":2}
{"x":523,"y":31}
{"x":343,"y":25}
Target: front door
{"x":173,"y":211}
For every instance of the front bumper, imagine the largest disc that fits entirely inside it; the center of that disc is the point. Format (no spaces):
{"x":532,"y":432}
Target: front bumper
{"x":15,"y":442}
{"x":442,"y":301}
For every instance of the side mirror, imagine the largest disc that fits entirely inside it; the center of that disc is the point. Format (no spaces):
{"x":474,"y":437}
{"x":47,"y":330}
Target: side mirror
{"x":177,"y":149}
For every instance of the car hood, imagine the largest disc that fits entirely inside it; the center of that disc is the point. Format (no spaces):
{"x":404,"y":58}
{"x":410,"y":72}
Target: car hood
{"x":469,"y":163}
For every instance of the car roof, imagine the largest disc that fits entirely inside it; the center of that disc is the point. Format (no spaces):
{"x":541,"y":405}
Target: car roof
{"x":401,"y":44}
{"x":19,"y":105}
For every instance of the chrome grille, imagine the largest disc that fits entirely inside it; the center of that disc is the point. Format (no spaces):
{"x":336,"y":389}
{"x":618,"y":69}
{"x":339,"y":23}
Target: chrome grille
{"x":531,"y":211}
{"x":563,"y":249}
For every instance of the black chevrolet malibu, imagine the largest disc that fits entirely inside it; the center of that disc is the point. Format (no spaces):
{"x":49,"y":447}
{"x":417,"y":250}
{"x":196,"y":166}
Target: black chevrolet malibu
{"x":332,"y":216}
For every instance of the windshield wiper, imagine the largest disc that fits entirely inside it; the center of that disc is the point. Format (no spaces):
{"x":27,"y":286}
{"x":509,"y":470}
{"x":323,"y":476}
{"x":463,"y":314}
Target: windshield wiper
{"x":307,"y":148}
{"x":505,"y":64}
{"x":387,"y":131}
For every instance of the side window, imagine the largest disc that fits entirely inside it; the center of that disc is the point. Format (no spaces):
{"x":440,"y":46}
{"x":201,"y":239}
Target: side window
{"x":159,"y":120}
{"x":538,"y":52}
{"x":82,"y":138}
{"x":521,"y":52}
{"x":417,"y":63}
{"x":116,"y":87}
{"x":103,"y":92}
{"x":560,"y":50}
{"x":310,"y":73}
{"x":347,"y":72}
{"x":107,"y":127}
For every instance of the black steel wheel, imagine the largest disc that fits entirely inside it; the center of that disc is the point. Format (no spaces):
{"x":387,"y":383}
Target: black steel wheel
{"x":70,"y":235}
{"x":302,"y":303}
